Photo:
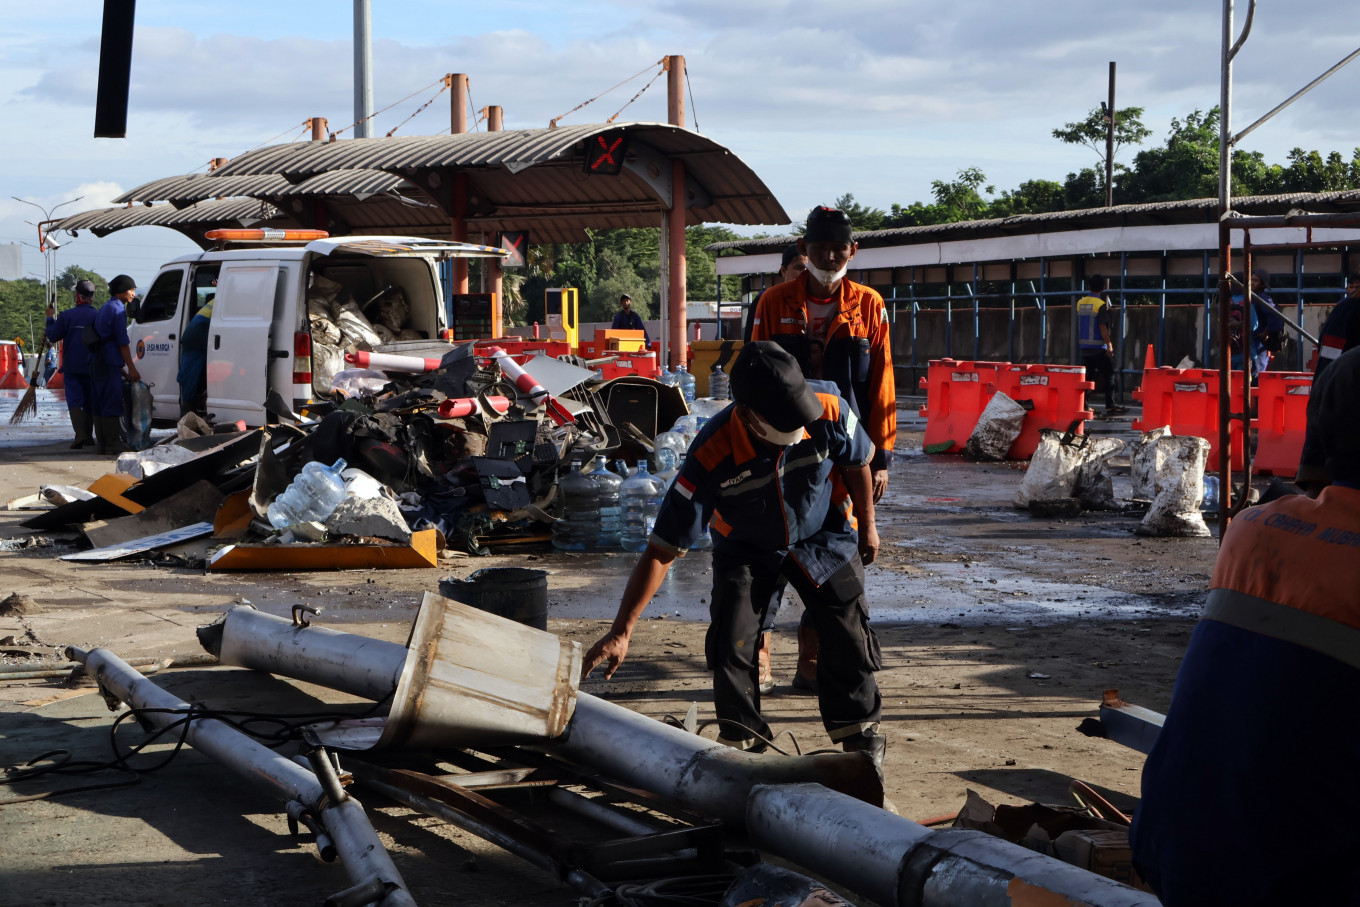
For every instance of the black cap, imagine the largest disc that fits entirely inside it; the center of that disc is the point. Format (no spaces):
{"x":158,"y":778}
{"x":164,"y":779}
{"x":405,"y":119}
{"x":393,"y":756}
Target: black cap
{"x":84,"y":288}
{"x":767,"y":379}
{"x":1332,"y":406}
{"x":827,"y":225}
{"x":121,"y":284}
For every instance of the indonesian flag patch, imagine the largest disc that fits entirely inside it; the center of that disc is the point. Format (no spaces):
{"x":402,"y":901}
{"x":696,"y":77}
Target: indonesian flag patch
{"x":685,"y":487}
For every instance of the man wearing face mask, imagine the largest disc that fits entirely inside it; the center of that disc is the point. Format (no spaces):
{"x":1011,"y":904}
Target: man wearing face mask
{"x":760,"y":475}
{"x":851,"y":322}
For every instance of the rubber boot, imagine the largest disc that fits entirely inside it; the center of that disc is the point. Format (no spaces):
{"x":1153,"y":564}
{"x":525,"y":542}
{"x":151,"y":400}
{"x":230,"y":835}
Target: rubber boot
{"x":82,"y":423}
{"x":763,"y":651}
{"x":109,"y":432}
{"x":871,"y":742}
{"x":805,"y":679}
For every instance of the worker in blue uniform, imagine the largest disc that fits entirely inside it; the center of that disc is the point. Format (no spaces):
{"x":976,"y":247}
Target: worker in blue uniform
{"x":1249,"y":797}
{"x":1094,"y":334}
{"x":760,"y":475}
{"x":68,"y":329}
{"x":111,"y":361}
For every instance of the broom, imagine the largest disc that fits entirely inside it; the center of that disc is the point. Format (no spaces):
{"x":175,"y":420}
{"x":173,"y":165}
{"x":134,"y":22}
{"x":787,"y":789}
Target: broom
{"x":28,"y":405}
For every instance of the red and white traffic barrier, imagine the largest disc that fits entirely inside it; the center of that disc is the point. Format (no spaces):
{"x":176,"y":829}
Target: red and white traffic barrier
{"x":389,"y":363}
{"x":456,"y":407}
{"x":526,"y":385}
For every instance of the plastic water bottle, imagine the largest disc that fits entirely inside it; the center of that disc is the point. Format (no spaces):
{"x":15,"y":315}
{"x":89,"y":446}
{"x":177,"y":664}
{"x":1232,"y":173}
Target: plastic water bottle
{"x":668,"y":377}
{"x":1210,"y":501}
{"x":641,"y":495}
{"x":686,"y":382}
{"x":669,"y":449}
{"x":579,"y":527}
{"x":607,"y":488}
{"x":312,"y":497}
{"x":718,"y":386}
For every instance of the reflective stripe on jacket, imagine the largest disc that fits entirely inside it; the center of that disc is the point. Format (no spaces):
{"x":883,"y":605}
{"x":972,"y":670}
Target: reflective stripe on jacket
{"x":1088,"y":322}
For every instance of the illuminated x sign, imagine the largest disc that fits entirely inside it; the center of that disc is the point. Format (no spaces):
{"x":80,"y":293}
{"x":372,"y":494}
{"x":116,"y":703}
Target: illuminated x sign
{"x":518,"y":244}
{"x":605,"y":153}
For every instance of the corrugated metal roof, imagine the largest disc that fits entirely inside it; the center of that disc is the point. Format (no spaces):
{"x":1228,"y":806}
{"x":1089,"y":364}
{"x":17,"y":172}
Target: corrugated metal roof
{"x":539,"y":171}
{"x":181,"y":190}
{"x":1187,"y":211}
{"x":192,"y":221}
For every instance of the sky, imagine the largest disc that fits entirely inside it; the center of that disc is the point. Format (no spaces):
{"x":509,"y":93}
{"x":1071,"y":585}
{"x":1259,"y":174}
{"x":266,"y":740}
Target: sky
{"x":877,"y":98}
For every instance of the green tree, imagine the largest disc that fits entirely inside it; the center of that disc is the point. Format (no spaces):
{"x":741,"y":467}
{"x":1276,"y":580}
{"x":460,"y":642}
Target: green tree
{"x":72,"y":273}
{"x":1030,"y":197}
{"x":1093,"y":132}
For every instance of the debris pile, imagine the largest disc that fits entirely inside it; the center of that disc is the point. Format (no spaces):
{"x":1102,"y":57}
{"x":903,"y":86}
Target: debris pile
{"x":462,"y":452}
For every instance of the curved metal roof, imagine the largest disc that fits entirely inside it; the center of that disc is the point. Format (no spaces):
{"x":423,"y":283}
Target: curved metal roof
{"x":527,"y":178}
{"x":193,"y":220}
{"x":1186,"y":211}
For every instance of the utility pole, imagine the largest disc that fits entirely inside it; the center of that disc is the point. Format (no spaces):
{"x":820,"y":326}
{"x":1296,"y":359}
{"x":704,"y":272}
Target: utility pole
{"x":1110,"y":118}
{"x":363,"y":69}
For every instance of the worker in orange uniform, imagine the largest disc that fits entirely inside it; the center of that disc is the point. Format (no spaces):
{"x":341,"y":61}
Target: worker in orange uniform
{"x":1249,"y":796}
{"x":822,"y":315}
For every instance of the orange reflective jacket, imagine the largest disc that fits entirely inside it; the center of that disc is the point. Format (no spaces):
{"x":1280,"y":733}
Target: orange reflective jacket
{"x":860,"y":313}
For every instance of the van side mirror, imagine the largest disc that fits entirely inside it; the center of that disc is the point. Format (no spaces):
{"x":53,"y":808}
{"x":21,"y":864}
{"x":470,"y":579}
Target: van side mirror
{"x":134,"y":308}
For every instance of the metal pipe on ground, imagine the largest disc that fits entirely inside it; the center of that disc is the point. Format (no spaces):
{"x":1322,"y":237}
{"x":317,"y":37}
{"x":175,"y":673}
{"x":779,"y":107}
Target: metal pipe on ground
{"x":345,"y":822}
{"x":898,"y":863}
{"x":700,"y":774}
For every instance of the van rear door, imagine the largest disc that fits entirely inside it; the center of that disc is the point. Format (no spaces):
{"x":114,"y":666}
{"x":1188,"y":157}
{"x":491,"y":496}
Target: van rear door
{"x":239,"y":348}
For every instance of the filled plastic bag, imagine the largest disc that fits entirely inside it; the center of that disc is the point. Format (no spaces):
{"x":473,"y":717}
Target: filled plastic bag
{"x":1053,"y":469}
{"x":997,"y":428}
{"x":323,"y":288}
{"x":1094,"y":487}
{"x":1180,"y":489}
{"x":357,"y":332}
{"x":389,"y":309}
{"x":327,"y":361}
{"x":359,"y":382}
{"x":142,"y":463}
{"x":137,"y":416}
{"x":1144,"y":462}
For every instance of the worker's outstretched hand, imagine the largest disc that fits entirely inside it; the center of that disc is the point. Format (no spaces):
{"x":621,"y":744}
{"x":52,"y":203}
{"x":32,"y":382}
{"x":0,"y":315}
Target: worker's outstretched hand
{"x":868,"y":545}
{"x":610,"y":651}
{"x":879,"y":477}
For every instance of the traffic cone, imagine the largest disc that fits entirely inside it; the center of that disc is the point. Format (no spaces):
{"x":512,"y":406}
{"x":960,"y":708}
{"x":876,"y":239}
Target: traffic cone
{"x":1150,"y":360}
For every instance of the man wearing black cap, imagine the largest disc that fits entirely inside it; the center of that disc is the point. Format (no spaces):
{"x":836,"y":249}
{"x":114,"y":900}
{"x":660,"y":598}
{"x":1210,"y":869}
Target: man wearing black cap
{"x":838,"y":330}
{"x":68,"y":329}
{"x":1258,"y":721}
{"x":114,"y":354}
{"x":760,"y":475}
{"x":625,"y":319}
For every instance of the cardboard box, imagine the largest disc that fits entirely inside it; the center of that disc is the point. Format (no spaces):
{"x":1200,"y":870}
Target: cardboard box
{"x":1104,"y":852}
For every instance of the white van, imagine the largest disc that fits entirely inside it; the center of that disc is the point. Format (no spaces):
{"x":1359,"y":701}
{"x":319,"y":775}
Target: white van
{"x":259,"y":338}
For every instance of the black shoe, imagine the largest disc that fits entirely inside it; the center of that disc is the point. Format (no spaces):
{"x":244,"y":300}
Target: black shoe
{"x":875,"y":744}
{"x":1116,"y":410}
{"x":802,"y":685}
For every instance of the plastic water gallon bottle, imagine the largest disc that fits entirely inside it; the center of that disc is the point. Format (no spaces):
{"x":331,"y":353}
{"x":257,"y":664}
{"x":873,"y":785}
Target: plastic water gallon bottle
{"x":670,"y":447}
{"x":641,"y":495}
{"x":668,"y":377}
{"x":579,"y":527}
{"x":607,"y":488}
{"x":685,"y":381}
{"x":718,"y":387}
{"x":312,"y":497}
{"x":1210,"y":500}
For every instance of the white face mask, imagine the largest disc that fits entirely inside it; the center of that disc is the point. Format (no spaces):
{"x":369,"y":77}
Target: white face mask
{"x":827,"y":278}
{"x":780,"y":438}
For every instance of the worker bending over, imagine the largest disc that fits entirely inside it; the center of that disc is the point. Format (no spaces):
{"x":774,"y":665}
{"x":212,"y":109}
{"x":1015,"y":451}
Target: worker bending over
{"x":760,"y":473}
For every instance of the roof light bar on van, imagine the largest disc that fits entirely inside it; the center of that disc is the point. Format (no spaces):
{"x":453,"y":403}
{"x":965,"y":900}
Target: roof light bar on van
{"x":265,"y":234}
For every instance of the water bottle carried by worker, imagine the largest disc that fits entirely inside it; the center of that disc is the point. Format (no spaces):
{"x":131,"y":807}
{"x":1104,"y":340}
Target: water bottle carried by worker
{"x":685,"y":381}
{"x":641,"y":496}
{"x":579,"y":527}
{"x":311,"y":498}
{"x":608,"y":486}
{"x":718,"y":386}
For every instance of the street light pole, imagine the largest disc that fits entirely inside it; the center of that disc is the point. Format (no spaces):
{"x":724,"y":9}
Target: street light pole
{"x":49,"y":291}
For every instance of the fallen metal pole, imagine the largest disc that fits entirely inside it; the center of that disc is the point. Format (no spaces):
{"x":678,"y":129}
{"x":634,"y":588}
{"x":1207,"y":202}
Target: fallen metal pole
{"x":345,"y":822}
{"x":700,"y":774}
{"x":898,"y":863}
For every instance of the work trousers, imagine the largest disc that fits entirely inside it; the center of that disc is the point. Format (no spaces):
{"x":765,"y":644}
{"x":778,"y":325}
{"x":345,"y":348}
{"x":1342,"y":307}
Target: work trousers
{"x":108,"y":390}
{"x":847,"y":694}
{"x":1100,"y":369}
{"x":79,"y":389}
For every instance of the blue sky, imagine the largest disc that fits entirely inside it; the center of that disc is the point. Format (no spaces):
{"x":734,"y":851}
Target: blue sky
{"x":876,"y":98}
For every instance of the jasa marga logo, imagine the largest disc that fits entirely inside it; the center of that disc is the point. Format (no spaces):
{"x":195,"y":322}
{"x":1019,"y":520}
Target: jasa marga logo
{"x":141,"y":349}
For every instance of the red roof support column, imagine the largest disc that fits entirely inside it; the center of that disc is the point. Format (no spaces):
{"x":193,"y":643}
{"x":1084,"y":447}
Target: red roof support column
{"x":675,"y":217}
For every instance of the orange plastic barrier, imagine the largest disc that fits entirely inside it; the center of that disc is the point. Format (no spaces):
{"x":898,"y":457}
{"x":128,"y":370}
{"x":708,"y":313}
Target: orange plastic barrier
{"x":956,"y":394}
{"x":11,"y":357}
{"x":1187,"y":400}
{"x":12,"y":380}
{"x":58,"y":380}
{"x":1282,"y":418}
{"x":1058,"y":393}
